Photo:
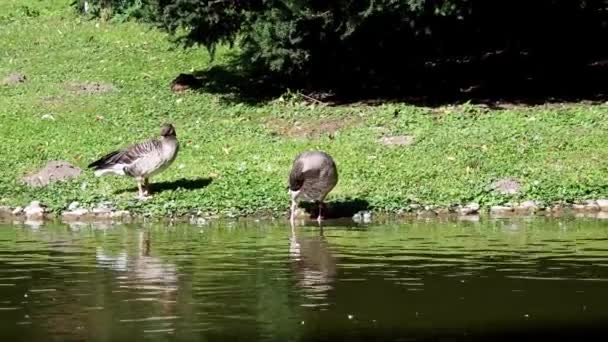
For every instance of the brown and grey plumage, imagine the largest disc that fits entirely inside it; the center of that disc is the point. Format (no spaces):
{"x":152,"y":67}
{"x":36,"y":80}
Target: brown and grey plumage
{"x":141,"y":160}
{"x":313,"y":175}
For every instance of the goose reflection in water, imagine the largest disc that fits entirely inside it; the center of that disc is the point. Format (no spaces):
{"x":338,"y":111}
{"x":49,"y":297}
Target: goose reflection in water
{"x":143,"y":271}
{"x":314,"y":265}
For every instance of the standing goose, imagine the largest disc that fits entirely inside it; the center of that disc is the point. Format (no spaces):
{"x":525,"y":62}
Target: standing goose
{"x":141,"y":160}
{"x":313,"y":175}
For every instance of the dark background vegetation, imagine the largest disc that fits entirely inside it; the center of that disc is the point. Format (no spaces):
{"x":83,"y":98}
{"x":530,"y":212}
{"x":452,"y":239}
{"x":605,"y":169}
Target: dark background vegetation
{"x":432,"y":51}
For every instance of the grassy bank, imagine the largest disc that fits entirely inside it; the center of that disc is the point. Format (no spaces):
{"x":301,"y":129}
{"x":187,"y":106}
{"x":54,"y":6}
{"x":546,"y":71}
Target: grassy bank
{"x":235,"y":156}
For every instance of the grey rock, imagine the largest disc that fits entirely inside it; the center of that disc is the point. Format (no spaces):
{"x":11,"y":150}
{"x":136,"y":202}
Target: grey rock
{"x":527,"y":206}
{"x":469,"y":209}
{"x":507,"y":186}
{"x":500,"y":210}
{"x":99,"y":211}
{"x":34,"y":210}
{"x":14,"y":79}
{"x":5,"y":211}
{"x":17,"y":211}
{"x":73,"y":206}
{"x":442,"y":211}
{"x":426,"y":214}
{"x":53,"y":171}
{"x":75,"y":213}
{"x":399,"y":140}
{"x":367,"y":217}
{"x":603,"y":204}
{"x":591,"y":205}
{"x":120,"y":214}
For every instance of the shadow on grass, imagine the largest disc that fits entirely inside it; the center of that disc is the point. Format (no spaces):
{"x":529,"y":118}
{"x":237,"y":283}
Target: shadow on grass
{"x":498,"y":82}
{"x":336,"y":209}
{"x":186,"y":184}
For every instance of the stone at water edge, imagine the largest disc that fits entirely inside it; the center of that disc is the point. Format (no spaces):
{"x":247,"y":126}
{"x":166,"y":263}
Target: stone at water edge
{"x":34,"y":210}
{"x":73,"y":214}
{"x":4,"y":210}
{"x":73,"y":206}
{"x":603,"y":204}
{"x":442,"y":211}
{"x":591,"y":205}
{"x":500,"y":210}
{"x":527,"y":206}
{"x":17,"y":211}
{"x":469,"y":209}
{"x":120,"y":213}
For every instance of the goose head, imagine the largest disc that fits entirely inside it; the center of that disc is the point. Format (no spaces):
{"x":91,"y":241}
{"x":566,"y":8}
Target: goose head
{"x":167,"y":130}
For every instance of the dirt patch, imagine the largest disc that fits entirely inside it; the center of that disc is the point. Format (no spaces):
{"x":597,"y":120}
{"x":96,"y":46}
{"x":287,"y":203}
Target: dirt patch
{"x":14,"y":79}
{"x":309,"y":129}
{"x":53,"y":171}
{"x":507,"y":186}
{"x":82,"y":88}
{"x":399,"y":140}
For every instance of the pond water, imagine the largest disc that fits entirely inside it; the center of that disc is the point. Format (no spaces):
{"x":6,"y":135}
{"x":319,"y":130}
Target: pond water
{"x":267,"y":282}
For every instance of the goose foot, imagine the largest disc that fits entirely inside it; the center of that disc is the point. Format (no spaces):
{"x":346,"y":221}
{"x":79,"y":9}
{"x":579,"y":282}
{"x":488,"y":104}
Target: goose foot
{"x":143,"y":197}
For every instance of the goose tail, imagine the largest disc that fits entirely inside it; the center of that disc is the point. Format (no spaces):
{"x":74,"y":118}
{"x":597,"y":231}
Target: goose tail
{"x":108,"y":165}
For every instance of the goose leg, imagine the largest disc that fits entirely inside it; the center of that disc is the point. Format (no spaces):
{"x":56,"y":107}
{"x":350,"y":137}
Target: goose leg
{"x":140,"y":187}
{"x":146,"y":187}
{"x":294,"y":206}
{"x":319,"y":219}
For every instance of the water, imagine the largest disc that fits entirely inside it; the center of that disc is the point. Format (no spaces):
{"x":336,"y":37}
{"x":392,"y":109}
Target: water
{"x":413,"y":281}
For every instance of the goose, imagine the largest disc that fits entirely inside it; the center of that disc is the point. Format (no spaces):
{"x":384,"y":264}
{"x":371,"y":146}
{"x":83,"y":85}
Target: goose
{"x":313,"y":175}
{"x":141,"y":160}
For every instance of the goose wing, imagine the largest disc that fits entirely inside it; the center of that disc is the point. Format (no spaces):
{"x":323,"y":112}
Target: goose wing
{"x":128,"y":155}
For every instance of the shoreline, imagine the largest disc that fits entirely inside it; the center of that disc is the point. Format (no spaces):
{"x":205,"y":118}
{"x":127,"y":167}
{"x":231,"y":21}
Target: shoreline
{"x":36,"y":213}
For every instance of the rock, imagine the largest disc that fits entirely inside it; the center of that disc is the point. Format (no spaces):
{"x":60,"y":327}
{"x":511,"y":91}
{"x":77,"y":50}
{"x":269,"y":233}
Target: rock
{"x":442,"y":211}
{"x":5,"y":211}
{"x":73,"y":206}
{"x":527,"y":206}
{"x":603,"y":204}
{"x":557,"y":208}
{"x":506,"y":186}
{"x":399,"y":140}
{"x":120,"y":214}
{"x":500,"y":210}
{"x":367,"y":217}
{"x":591,"y":205}
{"x":588,"y":205}
{"x":469,"y":209}
{"x":14,"y":79}
{"x":34,"y":210}
{"x":75,"y":213}
{"x":17,"y":211}
{"x":53,"y":171}
{"x":426,"y":213}
{"x":184,"y":82}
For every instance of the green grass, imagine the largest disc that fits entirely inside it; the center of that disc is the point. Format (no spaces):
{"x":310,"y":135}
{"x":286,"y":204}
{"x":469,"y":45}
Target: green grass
{"x":559,"y":152}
